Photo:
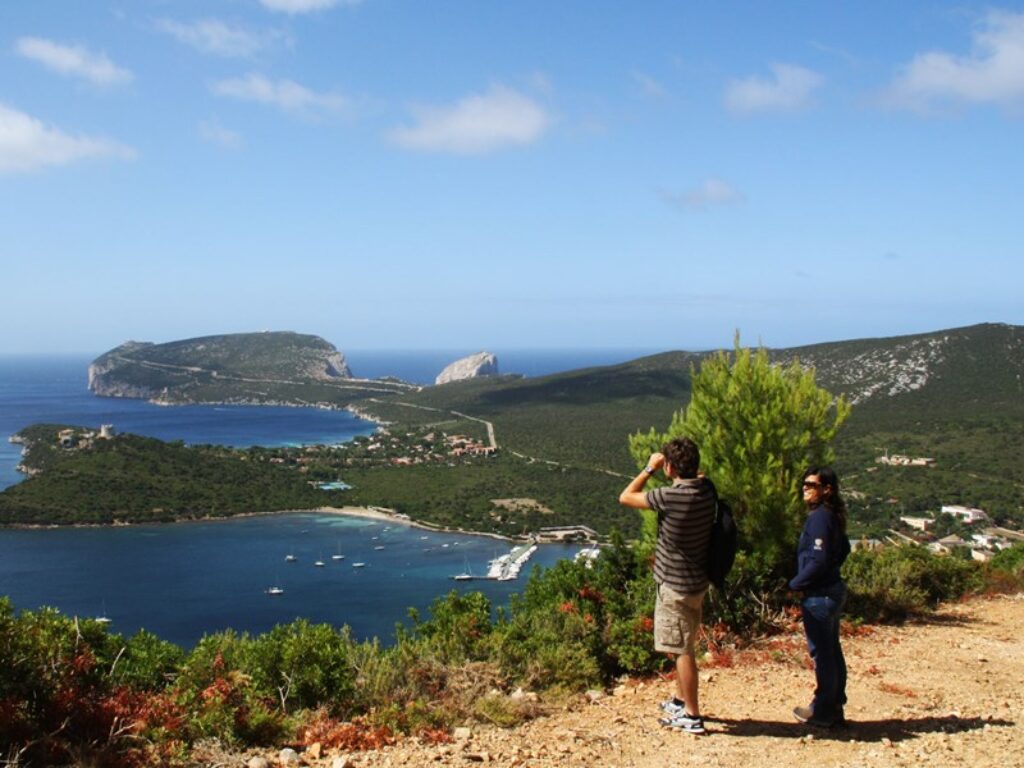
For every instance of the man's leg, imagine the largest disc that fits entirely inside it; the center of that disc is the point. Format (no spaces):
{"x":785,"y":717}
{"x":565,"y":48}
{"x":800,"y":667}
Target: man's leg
{"x":686,"y":682}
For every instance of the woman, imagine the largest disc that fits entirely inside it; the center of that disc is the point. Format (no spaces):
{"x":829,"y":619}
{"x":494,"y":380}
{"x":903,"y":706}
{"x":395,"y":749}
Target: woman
{"x":822,"y":550}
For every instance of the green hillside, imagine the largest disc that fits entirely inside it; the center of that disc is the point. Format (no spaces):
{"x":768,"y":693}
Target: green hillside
{"x":138,"y":479}
{"x":955,"y":396}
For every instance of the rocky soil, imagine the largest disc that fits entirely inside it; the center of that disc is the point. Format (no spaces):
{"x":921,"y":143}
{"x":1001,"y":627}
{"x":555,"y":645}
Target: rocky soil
{"x":945,"y":691}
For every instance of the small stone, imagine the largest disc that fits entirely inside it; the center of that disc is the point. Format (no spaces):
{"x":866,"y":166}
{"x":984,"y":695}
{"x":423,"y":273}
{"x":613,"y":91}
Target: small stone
{"x":462,"y":733}
{"x":342,"y":761}
{"x":288,"y":756}
{"x":982,"y":660}
{"x":258,"y":762}
{"x":313,"y":750}
{"x":620,"y":690}
{"x":594,"y":696}
{"x":886,"y":742}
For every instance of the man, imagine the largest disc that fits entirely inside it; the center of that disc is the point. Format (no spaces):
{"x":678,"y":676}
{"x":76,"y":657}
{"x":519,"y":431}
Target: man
{"x":686,"y":513}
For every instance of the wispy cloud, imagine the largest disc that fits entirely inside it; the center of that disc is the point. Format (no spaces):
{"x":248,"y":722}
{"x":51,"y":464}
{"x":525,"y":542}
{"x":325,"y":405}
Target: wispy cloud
{"x":27,"y":144}
{"x":649,"y":86}
{"x":73,"y":60}
{"x":713,"y":192}
{"x":283,"y":94}
{"x":993,"y":73}
{"x":304,"y":6}
{"x":216,"y":37}
{"x":477,"y":124}
{"x":213,"y":132}
{"x":789,"y":88}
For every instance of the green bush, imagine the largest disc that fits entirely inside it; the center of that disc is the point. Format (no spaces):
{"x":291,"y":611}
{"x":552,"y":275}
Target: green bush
{"x":896,"y":582}
{"x":303,"y":666}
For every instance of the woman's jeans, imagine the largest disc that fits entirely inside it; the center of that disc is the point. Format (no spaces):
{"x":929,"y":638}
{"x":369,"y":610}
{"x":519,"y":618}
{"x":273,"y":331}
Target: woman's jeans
{"x":821,"y":612}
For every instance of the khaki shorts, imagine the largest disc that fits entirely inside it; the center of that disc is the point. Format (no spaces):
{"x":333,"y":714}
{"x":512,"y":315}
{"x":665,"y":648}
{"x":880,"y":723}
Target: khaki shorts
{"x":676,"y":620}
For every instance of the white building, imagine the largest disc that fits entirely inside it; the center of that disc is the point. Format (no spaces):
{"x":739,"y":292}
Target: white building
{"x":920,"y":523}
{"x":967,"y":514}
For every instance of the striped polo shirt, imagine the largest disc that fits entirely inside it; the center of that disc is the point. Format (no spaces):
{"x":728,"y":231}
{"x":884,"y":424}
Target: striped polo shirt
{"x":686,"y":512}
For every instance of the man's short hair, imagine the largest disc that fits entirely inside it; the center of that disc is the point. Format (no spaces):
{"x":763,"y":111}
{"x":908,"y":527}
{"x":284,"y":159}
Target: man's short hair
{"x":684,"y":456}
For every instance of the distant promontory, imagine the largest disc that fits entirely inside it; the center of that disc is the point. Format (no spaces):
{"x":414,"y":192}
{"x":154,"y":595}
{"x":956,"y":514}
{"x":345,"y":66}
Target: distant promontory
{"x":242,"y":367}
{"x":472,"y":367}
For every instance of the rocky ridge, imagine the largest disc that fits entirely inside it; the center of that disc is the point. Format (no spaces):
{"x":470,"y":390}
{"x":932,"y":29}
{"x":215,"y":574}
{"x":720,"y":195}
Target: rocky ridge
{"x":471,"y":367}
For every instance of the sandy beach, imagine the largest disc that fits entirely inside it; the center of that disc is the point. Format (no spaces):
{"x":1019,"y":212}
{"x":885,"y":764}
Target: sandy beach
{"x":382,"y":513}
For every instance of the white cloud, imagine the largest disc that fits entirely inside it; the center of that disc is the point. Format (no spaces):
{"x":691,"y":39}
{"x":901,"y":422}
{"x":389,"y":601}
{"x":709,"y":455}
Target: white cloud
{"x":215,"y":37}
{"x":213,"y":132}
{"x":789,"y":88}
{"x":477,"y":124}
{"x":73,"y":60}
{"x":283,"y":94}
{"x":712,"y":192}
{"x":304,"y":6}
{"x":993,"y":73}
{"x":649,"y":86}
{"x":27,"y":144}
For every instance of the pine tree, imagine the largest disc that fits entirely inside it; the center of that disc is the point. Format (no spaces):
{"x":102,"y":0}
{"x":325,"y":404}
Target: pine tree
{"x":758,"y":426}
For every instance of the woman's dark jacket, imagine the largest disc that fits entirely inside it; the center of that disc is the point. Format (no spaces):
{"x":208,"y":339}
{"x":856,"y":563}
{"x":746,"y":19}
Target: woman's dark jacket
{"x":822,"y":550}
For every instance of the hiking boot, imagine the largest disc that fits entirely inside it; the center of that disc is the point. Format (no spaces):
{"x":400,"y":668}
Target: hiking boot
{"x":806,"y":715}
{"x":684,"y":722}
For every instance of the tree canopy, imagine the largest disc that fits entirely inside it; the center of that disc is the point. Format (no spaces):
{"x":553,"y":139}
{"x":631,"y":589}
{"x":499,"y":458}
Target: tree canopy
{"x":757,"y":425}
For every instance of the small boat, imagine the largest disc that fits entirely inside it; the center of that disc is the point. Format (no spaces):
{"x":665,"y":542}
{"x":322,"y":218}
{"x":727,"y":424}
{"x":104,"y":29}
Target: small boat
{"x":319,"y":564}
{"x":466,"y":575}
{"x":274,"y":591}
{"x":290,"y":558}
{"x":358,"y":565}
{"x":424,"y":538}
{"x":103,"y":618}
{"x":379,"y":546}
{"x":337,"y":557}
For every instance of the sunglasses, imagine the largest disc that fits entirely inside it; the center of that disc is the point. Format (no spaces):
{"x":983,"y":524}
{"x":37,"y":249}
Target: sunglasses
{"x":811,"y":484}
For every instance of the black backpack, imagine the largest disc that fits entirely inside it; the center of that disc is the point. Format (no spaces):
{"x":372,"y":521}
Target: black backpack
{"x":722,"y":548}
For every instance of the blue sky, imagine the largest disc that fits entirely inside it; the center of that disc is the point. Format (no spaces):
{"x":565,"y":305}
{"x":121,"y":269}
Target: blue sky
{"x":435,"y":174}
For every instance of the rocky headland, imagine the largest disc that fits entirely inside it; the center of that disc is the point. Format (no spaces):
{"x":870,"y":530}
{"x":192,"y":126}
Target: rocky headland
{"x":471,"y":367}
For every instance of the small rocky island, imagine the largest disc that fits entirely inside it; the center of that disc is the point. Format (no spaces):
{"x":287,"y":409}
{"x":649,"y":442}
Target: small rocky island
{"x":472,"y":367}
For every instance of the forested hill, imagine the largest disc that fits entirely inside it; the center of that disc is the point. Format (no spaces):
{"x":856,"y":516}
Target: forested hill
{"x":241,"y":367}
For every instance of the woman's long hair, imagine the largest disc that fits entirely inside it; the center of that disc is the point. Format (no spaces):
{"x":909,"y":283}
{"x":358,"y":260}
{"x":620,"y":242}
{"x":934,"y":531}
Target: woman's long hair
{"x":834,"y":501}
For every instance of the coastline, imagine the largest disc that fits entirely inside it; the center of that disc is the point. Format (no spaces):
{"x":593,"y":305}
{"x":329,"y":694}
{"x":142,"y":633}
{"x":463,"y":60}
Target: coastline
{"x":382,"y":514}
{"x":379,"y":514}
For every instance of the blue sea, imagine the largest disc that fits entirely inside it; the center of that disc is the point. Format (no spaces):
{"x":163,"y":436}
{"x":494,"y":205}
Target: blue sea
{"x":184,"y":580}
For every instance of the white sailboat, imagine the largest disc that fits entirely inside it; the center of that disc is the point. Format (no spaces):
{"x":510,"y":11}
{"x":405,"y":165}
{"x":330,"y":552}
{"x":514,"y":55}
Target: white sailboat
{"x":466,"y":575}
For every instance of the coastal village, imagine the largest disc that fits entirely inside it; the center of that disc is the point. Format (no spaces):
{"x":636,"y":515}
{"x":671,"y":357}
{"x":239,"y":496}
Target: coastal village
{"x":955,"y":529}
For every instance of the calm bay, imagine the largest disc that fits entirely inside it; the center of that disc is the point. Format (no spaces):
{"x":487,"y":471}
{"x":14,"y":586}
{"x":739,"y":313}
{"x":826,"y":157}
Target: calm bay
{"x":184,"y":580}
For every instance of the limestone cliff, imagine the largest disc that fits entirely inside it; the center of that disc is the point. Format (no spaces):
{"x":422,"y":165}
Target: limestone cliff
{"x":472,"y":367}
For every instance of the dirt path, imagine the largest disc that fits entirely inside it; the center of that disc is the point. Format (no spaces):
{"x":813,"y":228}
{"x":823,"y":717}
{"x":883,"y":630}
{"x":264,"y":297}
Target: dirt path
{"x":948,"y":691}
